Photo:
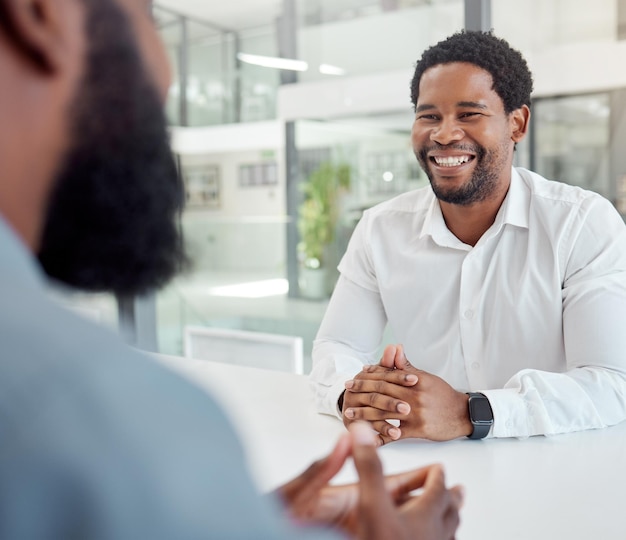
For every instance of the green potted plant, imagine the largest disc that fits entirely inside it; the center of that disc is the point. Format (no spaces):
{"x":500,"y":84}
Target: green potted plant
{"x":317,"y":222}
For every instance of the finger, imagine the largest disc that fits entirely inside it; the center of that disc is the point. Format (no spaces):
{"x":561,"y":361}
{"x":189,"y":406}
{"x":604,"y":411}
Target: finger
{"x":400,"y":360}
{"x":401,"y":484}
{"x":435,"y":491}
{"x":399,"y":357}
{"x":376,"y":373}
{"x":324,"y":469}
{"x":375,"y":369}
{"x":451,"y":521}
{"x":375,"y":407}
{"x":384,"y":397}
{"x":388,"y":357}
{"x":441,"y":504}
{"x":372,"y":492}
{"x":369,"y":414}
{"x":380,"y":438}
{"x":335,"y":460}
{"x":457,"y":495}
{"x":387,"y":430}
{"x":318,"y":474}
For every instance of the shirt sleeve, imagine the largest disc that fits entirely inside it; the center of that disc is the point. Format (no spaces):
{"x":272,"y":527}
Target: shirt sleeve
{"x":344,"y":342}
{"x":591,"y":393}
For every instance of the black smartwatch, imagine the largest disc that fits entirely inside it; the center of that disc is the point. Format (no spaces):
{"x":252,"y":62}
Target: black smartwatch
{"x":480,"y":414}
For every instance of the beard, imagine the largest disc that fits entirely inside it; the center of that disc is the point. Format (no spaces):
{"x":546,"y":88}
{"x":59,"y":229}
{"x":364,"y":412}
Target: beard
{"x":112,"y":220}
{"x":484,"y":181}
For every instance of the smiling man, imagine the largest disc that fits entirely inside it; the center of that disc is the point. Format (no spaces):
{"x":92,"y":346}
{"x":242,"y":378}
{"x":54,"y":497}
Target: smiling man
{"x":506,"y":291}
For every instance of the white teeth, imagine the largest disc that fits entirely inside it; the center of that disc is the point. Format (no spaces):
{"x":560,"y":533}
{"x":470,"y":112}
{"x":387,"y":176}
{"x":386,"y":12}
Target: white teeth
{"x":451,"y":161}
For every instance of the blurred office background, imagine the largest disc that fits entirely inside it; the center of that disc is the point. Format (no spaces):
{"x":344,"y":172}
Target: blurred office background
{"x":249,"y":131}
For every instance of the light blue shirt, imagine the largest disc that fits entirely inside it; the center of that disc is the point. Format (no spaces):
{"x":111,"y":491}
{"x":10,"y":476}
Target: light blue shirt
{"x":98,"y":441}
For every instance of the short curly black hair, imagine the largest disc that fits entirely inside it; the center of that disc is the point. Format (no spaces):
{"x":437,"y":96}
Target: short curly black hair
{"x":512,"y":79}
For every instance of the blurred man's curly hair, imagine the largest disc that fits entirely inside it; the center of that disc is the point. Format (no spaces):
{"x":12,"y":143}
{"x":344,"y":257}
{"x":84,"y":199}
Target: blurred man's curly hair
{"x":512,"y":79}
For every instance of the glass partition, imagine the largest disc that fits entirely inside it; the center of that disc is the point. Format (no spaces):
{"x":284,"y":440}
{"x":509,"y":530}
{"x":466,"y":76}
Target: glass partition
{"x":211,"y":75}
{"x":235,"y":226}
{"x":552,"y":24}
{"x":258,"y":85}
{"x":204,"y":87}
{"x":391,"y":37}
{"x":172,"y":33}
{"x":212,"y":86}
{"x":572,"y":141}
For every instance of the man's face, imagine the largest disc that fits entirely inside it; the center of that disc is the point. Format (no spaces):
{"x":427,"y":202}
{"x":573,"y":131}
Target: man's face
{"x":111,"y":224}
{"x":461,"y":135}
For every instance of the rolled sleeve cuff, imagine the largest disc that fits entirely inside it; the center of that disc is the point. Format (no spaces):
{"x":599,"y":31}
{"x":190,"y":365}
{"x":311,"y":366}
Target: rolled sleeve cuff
{"x":335,"y":392}
{"x":327,"y":397}
{"x":510,"y":418}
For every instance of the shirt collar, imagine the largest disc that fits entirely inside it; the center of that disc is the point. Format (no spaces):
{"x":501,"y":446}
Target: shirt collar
{"x":514,"y":211}
{"x":516,"y":205}
{"x":17,"y":264}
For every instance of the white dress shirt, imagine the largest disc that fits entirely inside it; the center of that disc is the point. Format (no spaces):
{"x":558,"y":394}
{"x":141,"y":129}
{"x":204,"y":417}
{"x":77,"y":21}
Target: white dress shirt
{"x":533,"y":316}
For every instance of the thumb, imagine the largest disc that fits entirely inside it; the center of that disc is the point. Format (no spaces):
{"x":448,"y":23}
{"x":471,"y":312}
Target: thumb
{"x":372,"y":489}
{"x":317,"y":475}
{"x":400,"y":361}
{"x":323,"y":470}
{"x":388,"y":357}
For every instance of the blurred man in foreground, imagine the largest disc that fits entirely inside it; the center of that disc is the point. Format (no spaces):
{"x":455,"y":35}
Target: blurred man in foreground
{"x":98,"y":441}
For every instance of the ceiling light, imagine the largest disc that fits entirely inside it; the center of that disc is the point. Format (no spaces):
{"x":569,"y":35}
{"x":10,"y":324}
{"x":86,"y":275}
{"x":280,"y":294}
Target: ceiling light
{"x":253,"y":289}
{"x":328,"y":69}
{"x":273,"y":62}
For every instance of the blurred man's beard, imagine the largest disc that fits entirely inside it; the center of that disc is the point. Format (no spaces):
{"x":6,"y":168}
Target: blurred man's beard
{"x":112,"y":218}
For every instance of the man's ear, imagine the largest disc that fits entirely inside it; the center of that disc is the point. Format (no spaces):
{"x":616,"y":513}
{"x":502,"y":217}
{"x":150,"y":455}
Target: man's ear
{"x":519,"y":119}
{"x":38,"y":29}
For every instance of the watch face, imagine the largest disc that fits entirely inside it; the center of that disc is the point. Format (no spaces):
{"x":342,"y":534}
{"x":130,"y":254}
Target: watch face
{"x":480,"y":410}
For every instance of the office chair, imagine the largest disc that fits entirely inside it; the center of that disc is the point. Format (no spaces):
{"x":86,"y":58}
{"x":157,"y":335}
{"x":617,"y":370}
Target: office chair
{"x":244,"y":348}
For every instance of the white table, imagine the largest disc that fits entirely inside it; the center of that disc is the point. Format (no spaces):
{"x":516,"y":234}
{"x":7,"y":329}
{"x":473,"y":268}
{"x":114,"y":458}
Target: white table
{"x":570,"y":487}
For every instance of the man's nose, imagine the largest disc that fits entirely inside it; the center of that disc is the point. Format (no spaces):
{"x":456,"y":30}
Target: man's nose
{"x":446,"y":132}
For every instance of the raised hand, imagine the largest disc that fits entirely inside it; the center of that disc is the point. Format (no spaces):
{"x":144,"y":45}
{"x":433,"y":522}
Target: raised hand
{"x":357,"y":509}
{"x":432,"y":515}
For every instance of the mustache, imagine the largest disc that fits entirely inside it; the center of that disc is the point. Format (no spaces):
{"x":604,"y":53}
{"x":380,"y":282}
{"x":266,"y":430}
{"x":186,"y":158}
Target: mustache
{"x":472,"y":149}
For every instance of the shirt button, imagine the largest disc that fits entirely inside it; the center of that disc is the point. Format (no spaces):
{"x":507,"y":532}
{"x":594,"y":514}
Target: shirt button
{"x":475,"y":365}
{"x":469,"y":314}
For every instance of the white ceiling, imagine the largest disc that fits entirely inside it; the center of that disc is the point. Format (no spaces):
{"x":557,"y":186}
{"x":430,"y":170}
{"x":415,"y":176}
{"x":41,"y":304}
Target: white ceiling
{"x":229,"y":14}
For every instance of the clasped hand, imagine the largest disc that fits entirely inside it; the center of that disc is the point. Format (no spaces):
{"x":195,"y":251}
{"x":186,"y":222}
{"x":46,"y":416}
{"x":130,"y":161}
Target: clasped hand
{"x":377,"y":507}
{"x":422,"y":404}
